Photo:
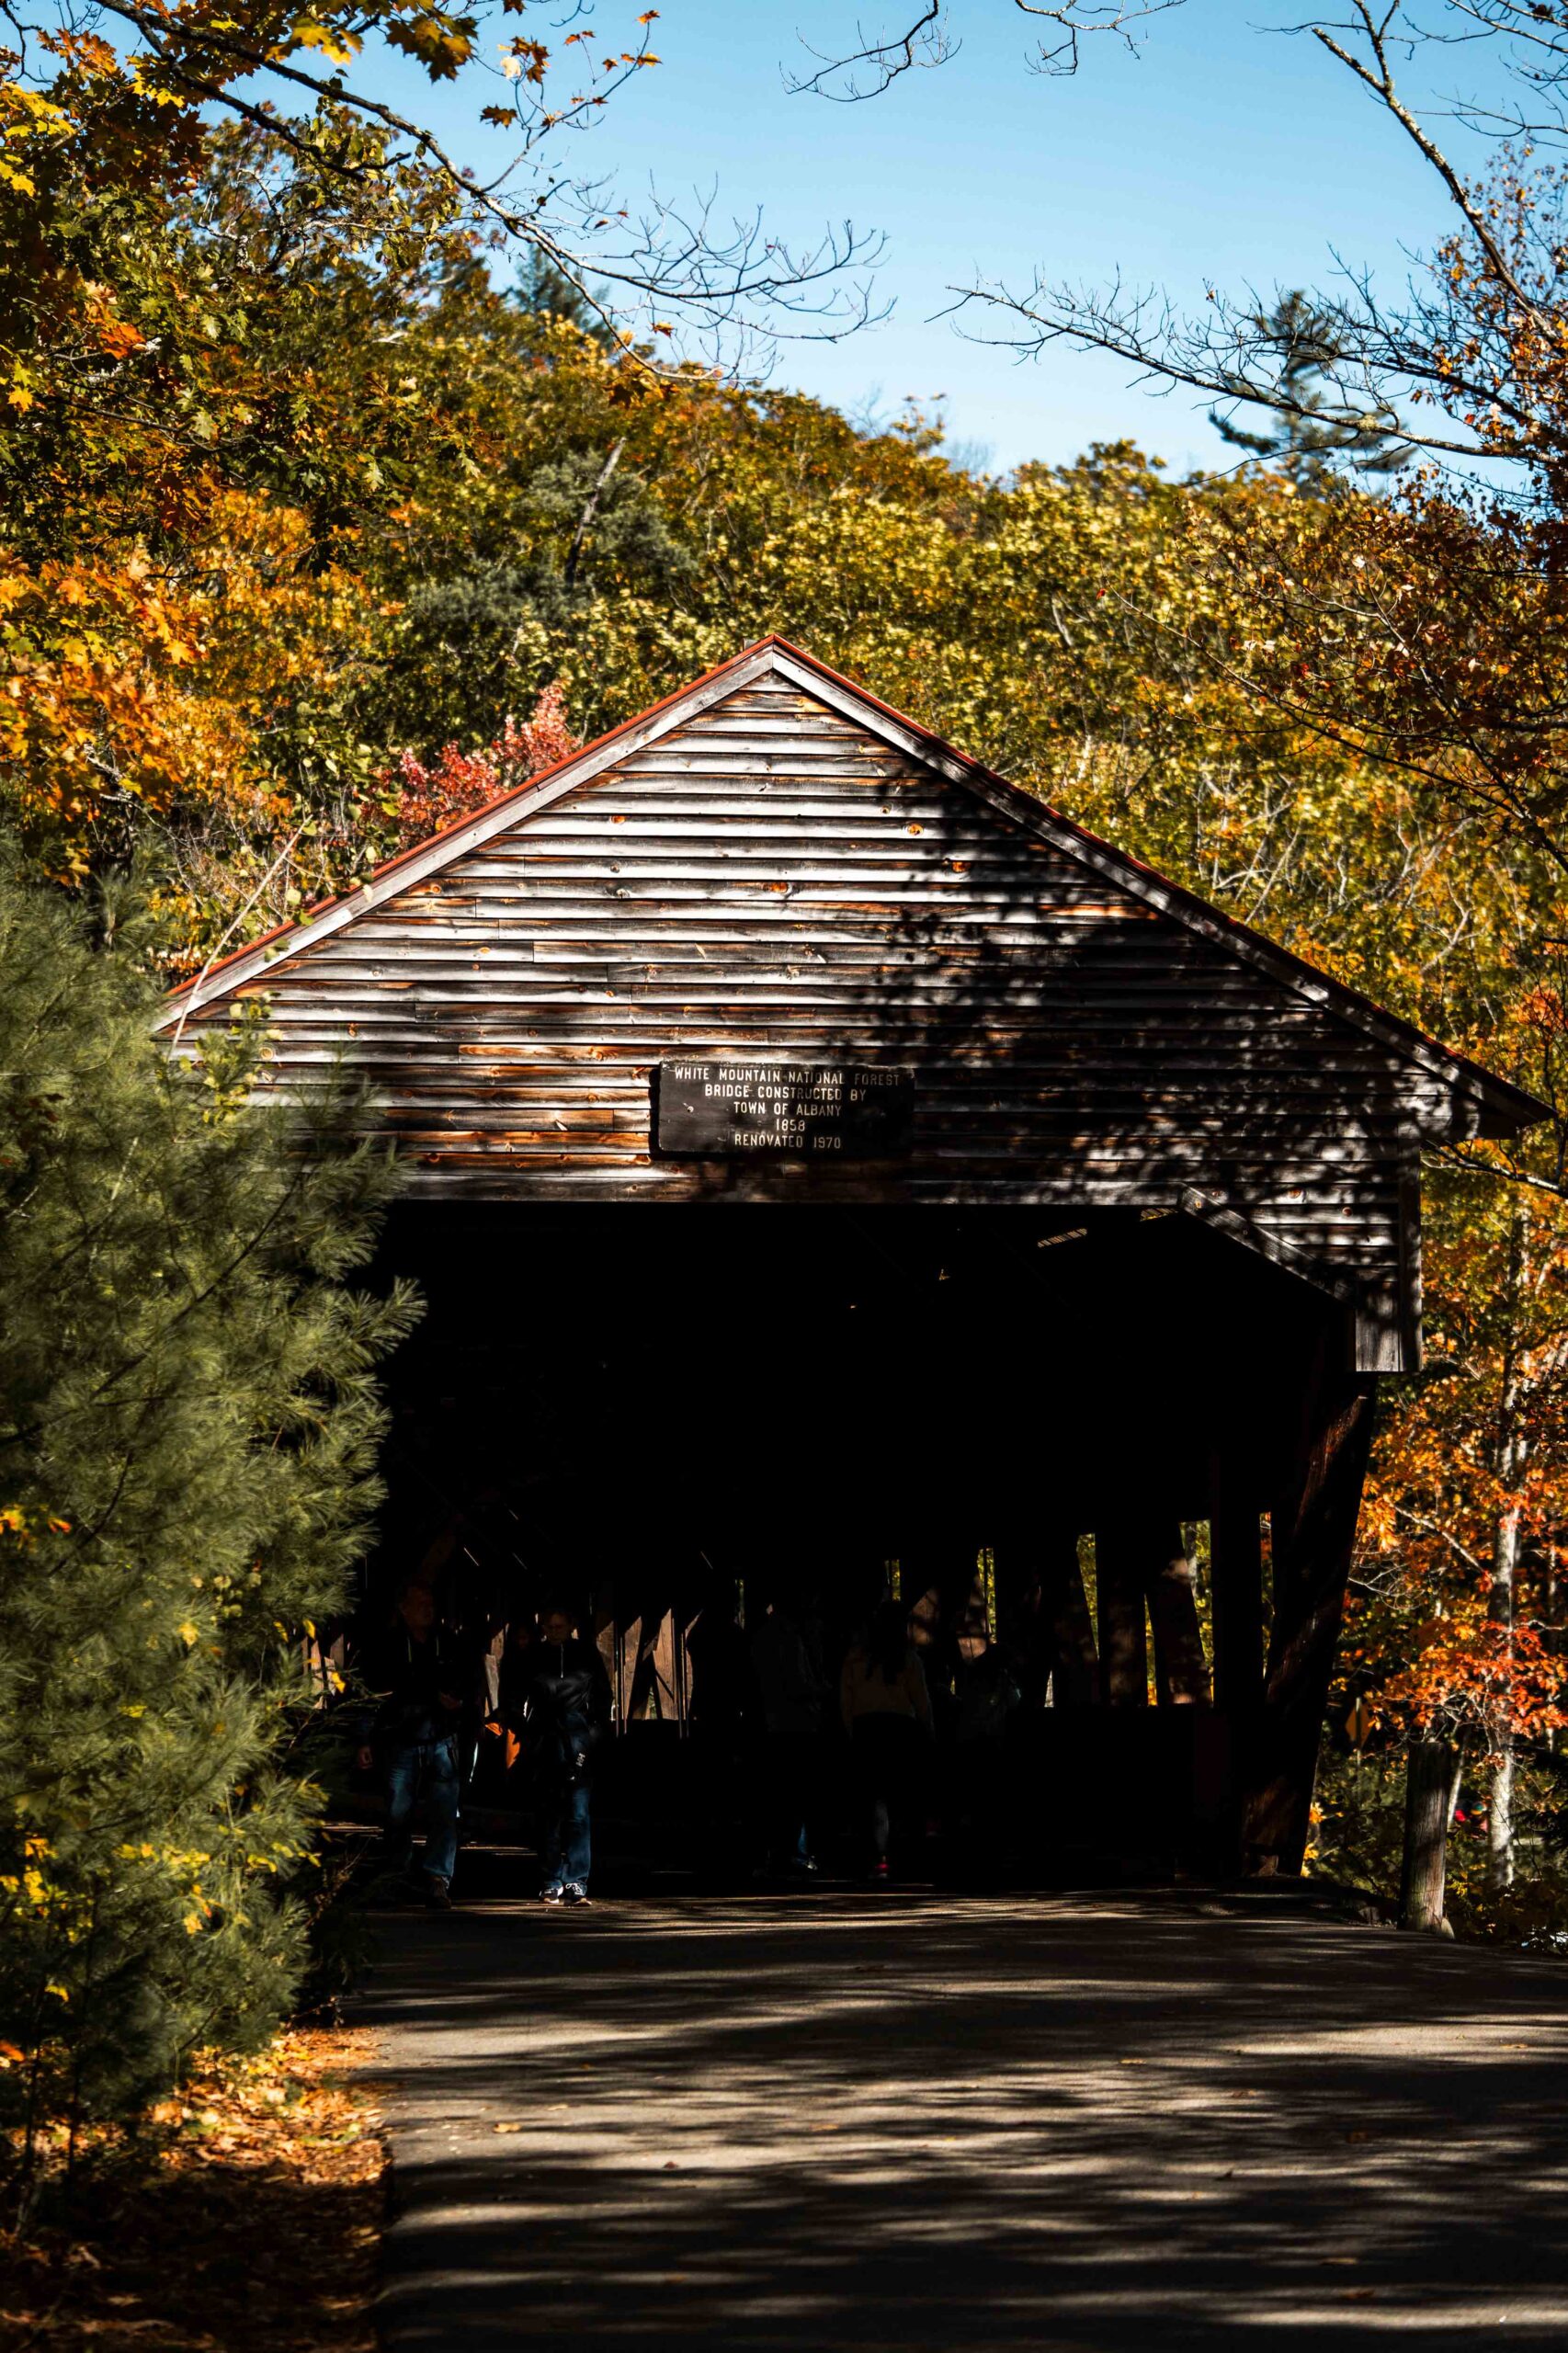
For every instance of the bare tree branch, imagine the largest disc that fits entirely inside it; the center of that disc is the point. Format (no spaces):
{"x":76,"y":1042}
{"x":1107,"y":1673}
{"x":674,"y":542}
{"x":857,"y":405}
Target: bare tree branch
{"x":927,"y":40}
{"x":729,"y":283}
{"x":1078,"y":18}
{"x":867,"y":72}
{"x":1229,"y":355}
{"x":1376,"y":72}
{"x":1431,"y":369}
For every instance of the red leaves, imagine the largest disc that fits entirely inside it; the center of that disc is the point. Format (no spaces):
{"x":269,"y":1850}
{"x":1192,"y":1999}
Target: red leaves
{"x":459,"y":784}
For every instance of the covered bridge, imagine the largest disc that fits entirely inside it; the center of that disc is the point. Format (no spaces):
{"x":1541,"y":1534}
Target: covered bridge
{"x":1103,"y":1219}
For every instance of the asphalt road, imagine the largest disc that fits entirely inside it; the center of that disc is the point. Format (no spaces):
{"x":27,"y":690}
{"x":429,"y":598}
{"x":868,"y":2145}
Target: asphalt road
{"x":850,"y":2122}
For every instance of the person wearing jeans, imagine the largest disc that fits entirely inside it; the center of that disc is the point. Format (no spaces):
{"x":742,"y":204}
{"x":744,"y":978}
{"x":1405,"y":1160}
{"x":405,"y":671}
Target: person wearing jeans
{"x":426,"y":1679}
{"x":565,"y":1846}
{"x":427,"y":1769}
{"x":559,"y":1714}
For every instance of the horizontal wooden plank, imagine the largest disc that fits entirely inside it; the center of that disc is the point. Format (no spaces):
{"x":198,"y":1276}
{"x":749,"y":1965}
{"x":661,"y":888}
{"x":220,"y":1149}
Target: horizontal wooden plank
{"x":803,"y":755}
{"x":848,"y":968}
{"x":1199,"y":1109}
{"x":987,"y":1022}
{"x":1073,"y":1040}
{"x":770,"y":882}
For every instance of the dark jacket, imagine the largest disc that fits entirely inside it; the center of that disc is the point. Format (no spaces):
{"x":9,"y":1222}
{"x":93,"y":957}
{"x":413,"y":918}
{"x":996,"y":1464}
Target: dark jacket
{"x":556,"y":1699}
{"x":789,"y":1677}
{"x":410,"y":1676}
{"x":984,"y":1696}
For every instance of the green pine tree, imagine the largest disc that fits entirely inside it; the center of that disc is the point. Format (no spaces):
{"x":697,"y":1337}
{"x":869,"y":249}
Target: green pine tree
{"x":1316,"y":431}
{"x":188,"y":1432}
{"x":543,"y":292}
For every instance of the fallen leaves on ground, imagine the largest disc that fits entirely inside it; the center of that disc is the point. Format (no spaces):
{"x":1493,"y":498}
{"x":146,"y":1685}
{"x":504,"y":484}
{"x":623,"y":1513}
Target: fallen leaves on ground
{"x":243,"y":2219}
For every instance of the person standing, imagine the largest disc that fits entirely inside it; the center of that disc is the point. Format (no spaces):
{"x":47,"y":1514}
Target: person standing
{"x":793,"y":1693}
{"x":886,"y":1709}
{"x":561,"y":1713}
{"x":986,"y":1697}
{"x":427,"y":1682}
{"x":726,"y":1723}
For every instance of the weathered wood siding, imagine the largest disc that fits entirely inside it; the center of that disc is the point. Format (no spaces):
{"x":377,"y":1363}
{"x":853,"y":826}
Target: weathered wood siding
{"x":772,"y":881}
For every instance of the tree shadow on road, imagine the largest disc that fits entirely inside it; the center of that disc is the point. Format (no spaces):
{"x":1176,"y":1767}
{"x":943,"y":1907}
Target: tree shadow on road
{"x":1024,"y":2123}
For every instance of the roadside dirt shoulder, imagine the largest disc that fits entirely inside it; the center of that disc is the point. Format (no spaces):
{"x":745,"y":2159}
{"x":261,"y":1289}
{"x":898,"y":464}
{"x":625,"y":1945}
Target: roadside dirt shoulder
{"x":245,"y":2217}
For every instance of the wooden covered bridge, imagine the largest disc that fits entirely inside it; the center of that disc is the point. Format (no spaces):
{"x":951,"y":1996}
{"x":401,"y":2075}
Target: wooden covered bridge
{"x":1103,"y":1222}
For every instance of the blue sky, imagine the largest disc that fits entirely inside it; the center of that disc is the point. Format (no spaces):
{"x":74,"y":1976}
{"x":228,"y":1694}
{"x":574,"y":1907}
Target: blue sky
{"x":1222,"y":152}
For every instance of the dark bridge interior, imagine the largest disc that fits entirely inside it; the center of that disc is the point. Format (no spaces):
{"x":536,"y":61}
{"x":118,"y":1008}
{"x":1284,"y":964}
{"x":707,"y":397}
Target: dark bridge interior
{"x":813,"y":1389}
{"x":1005,"y":1416}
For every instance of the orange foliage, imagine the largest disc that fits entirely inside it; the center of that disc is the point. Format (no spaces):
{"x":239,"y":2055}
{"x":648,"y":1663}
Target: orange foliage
{"x":1475,"y":1675}
{"x":1455,"y":1619}
{"x":129,"y":689}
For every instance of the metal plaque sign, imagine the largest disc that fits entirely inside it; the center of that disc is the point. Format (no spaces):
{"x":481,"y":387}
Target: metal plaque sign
{"x":810,"y":1110}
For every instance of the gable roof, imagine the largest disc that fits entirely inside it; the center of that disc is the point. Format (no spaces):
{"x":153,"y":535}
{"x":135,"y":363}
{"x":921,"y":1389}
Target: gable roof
{"x":1497,"y":1108}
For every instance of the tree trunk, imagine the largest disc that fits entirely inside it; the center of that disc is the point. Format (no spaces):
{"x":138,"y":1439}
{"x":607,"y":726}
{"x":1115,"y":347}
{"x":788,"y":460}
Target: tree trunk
{"x":1428,"y":1791}
{"x":1500,"y":1819}
{"x":1510,"y":1464}
{"x":585,"y":521}
{"x":1500,"y":1799}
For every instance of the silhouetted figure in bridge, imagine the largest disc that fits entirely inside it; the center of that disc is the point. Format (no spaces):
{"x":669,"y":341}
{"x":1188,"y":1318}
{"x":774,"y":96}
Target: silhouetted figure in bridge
{"x":985,"y":1696}
{"x":786,"y":1659}
{"x":887,"y":1713}
{"x":429,"y":1678}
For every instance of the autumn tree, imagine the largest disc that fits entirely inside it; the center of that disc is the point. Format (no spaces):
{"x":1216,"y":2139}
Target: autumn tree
{"x":138,"y":89}
{"x":219,"y":245}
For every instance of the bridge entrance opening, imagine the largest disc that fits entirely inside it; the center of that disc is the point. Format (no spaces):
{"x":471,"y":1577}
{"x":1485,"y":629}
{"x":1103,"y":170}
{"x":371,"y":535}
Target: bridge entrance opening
{"x":1070,"y":1434}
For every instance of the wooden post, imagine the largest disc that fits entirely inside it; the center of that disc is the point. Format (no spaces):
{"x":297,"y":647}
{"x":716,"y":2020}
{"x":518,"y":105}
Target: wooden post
{"x":1428,"y":1799}
{"x":607,"y":1640}
{"x":1313,"y":1539}
{"x":1024,"y":1616}
{"x":1124,"y":1649}
{"x":687,"y":1615}
{"x":1181,"y":1671}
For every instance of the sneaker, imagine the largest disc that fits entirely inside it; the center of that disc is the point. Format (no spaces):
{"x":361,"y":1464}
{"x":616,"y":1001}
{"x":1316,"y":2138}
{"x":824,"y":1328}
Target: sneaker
{"x":576,"y":1893}
{"x":880,"y":1870}
{"x":438,"y":1896}
{"x":804,"y":1866}
{"x":552,"y":1894}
